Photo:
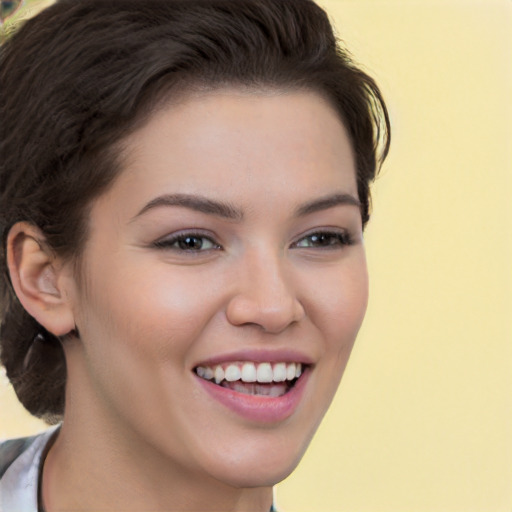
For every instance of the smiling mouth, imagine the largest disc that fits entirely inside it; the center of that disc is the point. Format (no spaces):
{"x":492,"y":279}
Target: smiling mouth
{"x":261,"y":379}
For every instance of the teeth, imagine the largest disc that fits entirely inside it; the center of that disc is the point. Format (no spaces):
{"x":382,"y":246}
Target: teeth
{"x":257,"y":389}
{"x":208,"y":373}
{"x":240,"y":388}
{"x":232,"y":373}
{"x":219,"y":374}
{"x":249,"y":372}
{"x":279,"y":372}
{"x":274,"y":392}
{"x":264,"y":373}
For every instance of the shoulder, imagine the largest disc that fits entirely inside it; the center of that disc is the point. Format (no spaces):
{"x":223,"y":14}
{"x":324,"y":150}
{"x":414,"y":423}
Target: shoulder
{"x":20,"y":462}
{"x":11,"y":449}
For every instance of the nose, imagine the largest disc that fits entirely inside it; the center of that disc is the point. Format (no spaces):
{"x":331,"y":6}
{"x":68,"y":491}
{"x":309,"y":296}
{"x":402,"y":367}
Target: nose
{"x":264,"y":295}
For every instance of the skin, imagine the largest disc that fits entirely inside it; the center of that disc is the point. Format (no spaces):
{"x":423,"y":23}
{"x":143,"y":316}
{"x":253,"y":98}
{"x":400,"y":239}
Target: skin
{"x":140,"y":433}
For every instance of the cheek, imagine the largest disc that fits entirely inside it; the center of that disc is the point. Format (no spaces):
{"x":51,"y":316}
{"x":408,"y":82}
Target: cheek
{"x":175,"y":303}
{"x":150,"y":309}
{"x":147,"y":322}
{"x":339,"y":304}
{"x":337,"y":312}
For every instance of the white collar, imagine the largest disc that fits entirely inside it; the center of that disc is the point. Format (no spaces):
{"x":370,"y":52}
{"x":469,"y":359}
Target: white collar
{"x":19,"y":484}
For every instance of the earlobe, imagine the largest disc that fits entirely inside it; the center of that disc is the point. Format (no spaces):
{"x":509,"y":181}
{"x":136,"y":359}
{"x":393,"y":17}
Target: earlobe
{"x":38,"y":279}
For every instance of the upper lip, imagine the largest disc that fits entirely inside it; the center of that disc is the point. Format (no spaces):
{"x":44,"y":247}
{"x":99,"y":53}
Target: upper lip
{"x":259,"y":356}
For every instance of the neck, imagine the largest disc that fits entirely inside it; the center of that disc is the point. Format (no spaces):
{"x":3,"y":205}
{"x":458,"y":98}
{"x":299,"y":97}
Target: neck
{"x":89,"y":473}
{"x":98,"y":463}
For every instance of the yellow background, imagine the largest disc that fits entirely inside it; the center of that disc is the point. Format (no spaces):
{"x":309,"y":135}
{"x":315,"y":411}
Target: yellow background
{"x":423,"y":419}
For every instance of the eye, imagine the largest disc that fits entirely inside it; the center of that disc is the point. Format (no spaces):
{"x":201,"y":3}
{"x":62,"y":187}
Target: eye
{"x":324,"y":240}
{"x":187,"y":242}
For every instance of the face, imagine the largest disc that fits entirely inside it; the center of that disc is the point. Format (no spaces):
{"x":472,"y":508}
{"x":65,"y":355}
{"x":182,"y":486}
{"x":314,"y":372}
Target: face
{"x":225,"y":283}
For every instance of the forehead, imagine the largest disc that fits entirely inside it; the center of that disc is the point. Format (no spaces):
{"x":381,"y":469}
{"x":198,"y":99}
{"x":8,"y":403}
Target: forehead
{"x":238,"y":142}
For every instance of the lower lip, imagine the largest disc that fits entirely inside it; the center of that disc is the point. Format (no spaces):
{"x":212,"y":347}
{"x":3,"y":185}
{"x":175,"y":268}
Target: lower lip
{"x":258,"y":408}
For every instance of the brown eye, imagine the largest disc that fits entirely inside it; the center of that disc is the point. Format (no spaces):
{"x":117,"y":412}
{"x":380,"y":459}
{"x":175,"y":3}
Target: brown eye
{"x":187,"y":243}
{"x":324,"y":240}
{"x":191,"y":243}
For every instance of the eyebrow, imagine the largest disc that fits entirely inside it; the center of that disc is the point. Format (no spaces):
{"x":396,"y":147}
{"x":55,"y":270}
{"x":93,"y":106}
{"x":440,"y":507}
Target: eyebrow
{"x":228,"y":211}
{"x":326,"y":202}
{"x":197,"y":203}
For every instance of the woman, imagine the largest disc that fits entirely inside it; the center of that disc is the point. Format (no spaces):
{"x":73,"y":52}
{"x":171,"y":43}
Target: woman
{"x":184,"y":188}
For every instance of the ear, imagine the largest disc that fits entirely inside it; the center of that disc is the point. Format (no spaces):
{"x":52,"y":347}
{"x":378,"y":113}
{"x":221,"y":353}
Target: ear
{"x":39,"y":279}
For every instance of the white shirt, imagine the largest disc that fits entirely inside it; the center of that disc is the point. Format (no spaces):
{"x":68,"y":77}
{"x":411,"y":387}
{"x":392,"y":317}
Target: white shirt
{"x":20,"y":466}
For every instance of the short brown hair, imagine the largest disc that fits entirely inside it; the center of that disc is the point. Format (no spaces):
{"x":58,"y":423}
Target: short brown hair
{"x":82,"y":74}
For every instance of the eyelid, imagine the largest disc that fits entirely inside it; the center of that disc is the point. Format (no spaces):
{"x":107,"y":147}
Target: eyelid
{"x":167,"y":241}
{"x":345,"y":235}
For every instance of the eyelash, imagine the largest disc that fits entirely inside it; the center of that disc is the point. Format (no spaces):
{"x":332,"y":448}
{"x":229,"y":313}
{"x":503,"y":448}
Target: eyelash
{"x":334,"y":239}
{"x":170,"y":242}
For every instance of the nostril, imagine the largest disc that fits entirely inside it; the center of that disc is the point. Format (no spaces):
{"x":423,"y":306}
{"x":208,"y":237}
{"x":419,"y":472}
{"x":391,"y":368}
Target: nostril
{"x":264,"y":293}
{"x":271,"y":316}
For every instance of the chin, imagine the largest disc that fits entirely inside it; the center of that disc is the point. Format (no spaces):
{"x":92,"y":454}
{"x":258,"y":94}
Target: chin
{"x":259,"y":464}
{"x":249,"y":475}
